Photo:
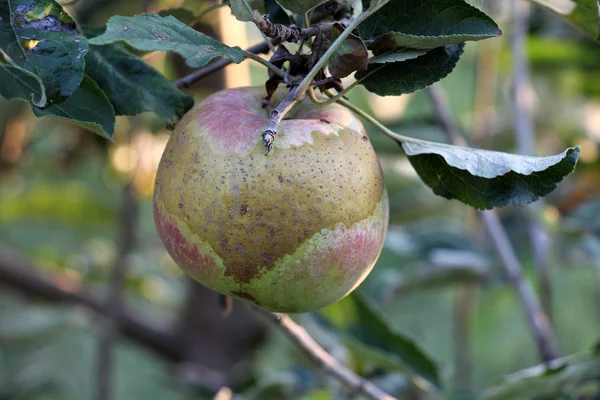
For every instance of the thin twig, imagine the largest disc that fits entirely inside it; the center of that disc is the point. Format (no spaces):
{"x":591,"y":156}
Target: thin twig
{"x":292,"y":33}
{"x":198,"y":74}
{"x":536,"y":317}
{"x":322,"y":358}
{"x":524,"y":132}
{"x":109,"y":328}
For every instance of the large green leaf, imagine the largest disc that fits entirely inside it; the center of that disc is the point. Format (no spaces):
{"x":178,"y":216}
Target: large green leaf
{"x":88,"y":106}
{"x":426,"y":25}
{"x":133,"y":86}
{"x":151,"y":32}
{"x":364,"y":330}
{"x":566,"y":378}
{"x":300,"y":6}
{"x":584,"y":14}
{"x":40,"y":37}
{"x":396,"y":78}
{"x":486,"y":179}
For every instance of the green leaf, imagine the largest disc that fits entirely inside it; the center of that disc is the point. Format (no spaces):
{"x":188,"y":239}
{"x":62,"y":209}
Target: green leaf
{"x":133,"y":86}
{"x":151,"y":32}
{"x":396,"y":78}
{"x":562,"y":378}
{"x":584,"y":14}
{"x":300,"y":6}
{"x":364,"y":330}
{"x":40,"y":37}
{"x":351,"y":56}
{"x":426,"y":25}
{"x":241,"y":10}
{"x":88,"y":106}
{"x":486,"y":179}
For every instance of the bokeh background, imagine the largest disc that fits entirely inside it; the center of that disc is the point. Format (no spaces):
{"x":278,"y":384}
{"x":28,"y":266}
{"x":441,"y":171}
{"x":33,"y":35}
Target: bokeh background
{"x":63,"y":193}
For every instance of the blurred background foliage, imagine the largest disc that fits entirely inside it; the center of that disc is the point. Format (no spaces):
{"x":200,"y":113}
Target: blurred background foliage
{"x":437,"y":281}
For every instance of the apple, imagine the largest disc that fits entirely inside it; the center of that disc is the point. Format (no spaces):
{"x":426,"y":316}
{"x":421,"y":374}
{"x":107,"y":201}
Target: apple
{"x":291,"y":231}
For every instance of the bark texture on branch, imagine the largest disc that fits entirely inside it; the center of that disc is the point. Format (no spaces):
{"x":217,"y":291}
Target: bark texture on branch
{"x":323,"y":359}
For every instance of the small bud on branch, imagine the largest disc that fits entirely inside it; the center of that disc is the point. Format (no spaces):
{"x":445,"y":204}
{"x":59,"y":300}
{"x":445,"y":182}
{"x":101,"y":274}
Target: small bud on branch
{"x":292,"y":33}
{"x":279,"y":32}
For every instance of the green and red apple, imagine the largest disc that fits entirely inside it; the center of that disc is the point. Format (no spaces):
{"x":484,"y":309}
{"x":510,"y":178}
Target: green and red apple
{"x":292,"y":231}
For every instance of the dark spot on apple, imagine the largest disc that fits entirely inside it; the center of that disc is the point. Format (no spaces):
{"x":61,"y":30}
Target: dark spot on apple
{"x":280,"y":179}
{"x":324,"y":121}
{"x":365,"y":138}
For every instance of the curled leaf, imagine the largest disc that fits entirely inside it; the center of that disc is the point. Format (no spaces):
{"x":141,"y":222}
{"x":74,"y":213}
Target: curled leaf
{"x":351,"y":56}
{"x":486,"y":179}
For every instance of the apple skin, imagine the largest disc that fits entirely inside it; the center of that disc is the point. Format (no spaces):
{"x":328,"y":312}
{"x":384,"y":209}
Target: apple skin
{"x":292,"y":231}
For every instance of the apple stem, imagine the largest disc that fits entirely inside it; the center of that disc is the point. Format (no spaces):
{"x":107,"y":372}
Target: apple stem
{"x":288,"y":102}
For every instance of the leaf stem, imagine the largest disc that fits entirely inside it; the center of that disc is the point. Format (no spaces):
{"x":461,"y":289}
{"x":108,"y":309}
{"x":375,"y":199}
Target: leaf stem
{"x":365,"y":115}
{"x":345,"y":91}
{"x":264,"y":62}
